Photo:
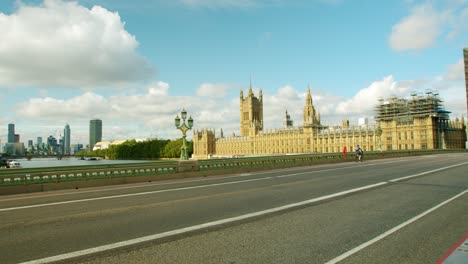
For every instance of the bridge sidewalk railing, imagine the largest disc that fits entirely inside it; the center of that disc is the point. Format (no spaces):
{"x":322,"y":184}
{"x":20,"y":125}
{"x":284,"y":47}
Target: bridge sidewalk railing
{"x":34,"y":180}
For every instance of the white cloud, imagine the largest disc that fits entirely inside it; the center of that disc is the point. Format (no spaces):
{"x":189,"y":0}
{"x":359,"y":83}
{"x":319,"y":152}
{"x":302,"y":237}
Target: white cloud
{"x":365,"y":100}
{"x":417,"y":31}
{"x":455,"y":72}
{"x":332,"y":108}
{"x":288,"y":92}
{"x":158,"y":88}
{"x":275,"y":105}
{"x":249,"y":3}
{"x":138,"y":115}
{"x":219,"y":3}
{"x":51,"y":109}
{"x":458,"y":19}
{"x":213,"y":90}
{"x":63,"y":44}
{"x":422,"y":28}
{"x":152,"y":113}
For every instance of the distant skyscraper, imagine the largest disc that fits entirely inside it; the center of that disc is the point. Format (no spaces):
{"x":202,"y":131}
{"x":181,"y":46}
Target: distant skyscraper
{"x":39,"y":141}
{"x":30,"y":143}
{"x":66,"y":135}
{"x":95,"y":132}
{"x":61,"y":145}
{"x":17,"y":138}
{"x":53,"y":145}
{"x":465,"y":56}
{"x":11,"y":133}
{"x":77,"y":147}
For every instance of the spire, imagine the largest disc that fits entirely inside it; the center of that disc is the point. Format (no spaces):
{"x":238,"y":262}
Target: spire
{"x":287,"y":120}
{"x":241,"y":94}
{"x":250,"y":87}
{"x":309,"y":96}
{"x":260,"y":94}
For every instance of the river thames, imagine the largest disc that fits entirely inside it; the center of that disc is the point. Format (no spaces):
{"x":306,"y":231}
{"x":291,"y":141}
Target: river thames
{"x":73,"y":161}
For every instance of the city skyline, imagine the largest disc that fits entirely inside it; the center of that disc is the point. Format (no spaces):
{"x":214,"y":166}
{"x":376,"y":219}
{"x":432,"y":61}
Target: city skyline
{"x":157,"y":58}
{"x":59,"y":145}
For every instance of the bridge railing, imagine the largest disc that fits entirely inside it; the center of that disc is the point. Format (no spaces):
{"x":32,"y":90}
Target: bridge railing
{"x":85,"y":174}
{"x":9,"y":177}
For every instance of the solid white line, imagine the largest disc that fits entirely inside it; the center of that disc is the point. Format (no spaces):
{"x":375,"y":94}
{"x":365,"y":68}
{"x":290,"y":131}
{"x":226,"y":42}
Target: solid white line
{"x":129,"y":194}
{"x":393,"y":230}
{"x":194,"y":228}
{"x":205,"y":186}
{"x":427,"y":172}
{"x":190,"y":181}
{"x":168,"y":190}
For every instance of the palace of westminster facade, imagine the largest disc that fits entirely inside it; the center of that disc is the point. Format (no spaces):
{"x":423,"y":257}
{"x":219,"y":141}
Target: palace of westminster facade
{"x":418,"y":123}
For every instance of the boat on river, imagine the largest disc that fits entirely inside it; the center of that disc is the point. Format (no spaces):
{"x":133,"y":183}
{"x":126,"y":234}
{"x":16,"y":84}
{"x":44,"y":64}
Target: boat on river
{"x":14,"y":164}
{"x":9,"y":164}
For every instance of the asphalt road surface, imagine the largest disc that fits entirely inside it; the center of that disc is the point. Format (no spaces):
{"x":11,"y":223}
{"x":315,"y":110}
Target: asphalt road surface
{"x":408,"y":210}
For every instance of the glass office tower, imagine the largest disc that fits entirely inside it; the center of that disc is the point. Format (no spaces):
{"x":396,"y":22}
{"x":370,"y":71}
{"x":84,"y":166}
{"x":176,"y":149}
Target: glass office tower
{"x":11,"y":133}
{"x":66,"y":136}
{"x":95,"y":132}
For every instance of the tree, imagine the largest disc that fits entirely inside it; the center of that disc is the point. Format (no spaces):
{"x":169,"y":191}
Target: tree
{"x":152,"y":149}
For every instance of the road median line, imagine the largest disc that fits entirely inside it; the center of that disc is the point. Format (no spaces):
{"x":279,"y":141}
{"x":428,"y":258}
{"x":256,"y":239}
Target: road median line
{"x":126,"y":243}
{"x":131,"y":242}
{"x":391,"y":231}
{"x":428,"y":172}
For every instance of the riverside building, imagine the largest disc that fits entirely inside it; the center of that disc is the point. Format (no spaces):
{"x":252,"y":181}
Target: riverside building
{"x":418,"y":123}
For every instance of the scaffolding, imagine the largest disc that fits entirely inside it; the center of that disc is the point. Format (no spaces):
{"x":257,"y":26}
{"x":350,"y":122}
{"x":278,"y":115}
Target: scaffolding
{"x":404,"y":111}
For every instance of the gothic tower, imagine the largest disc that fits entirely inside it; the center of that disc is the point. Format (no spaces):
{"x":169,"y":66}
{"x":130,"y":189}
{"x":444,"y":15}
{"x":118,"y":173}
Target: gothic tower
{"x":311,"y":117}
{"x":288,"y":122}
{"x":251,"y":113}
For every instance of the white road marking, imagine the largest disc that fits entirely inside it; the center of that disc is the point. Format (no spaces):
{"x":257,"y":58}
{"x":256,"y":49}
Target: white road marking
{"x":130,"y":242}
{"x":130,"y":194}
{"x":393,"y":230}
{"x":193,"y":228}
{"x":205,"y":186}
{"x":188,"y":181}
{"x":427,"y":172}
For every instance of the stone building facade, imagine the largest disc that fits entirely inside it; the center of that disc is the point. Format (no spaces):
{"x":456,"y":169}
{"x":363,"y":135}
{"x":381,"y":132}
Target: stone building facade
{"x":398,"y":127}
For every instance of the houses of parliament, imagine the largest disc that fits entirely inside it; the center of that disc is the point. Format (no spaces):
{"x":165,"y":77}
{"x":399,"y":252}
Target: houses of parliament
{"x":400,"y":124}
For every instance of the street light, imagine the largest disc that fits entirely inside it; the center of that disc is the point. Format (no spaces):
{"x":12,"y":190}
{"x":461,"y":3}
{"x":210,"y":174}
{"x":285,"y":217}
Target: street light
{"x":184,"y":128}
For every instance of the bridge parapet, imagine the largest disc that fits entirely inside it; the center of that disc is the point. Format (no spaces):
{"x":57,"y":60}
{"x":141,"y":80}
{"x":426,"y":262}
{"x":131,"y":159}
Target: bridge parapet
{"x":33,"y":180}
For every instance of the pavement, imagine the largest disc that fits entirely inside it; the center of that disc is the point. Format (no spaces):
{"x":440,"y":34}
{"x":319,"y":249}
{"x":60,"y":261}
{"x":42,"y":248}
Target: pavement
{"x":458,"y":254}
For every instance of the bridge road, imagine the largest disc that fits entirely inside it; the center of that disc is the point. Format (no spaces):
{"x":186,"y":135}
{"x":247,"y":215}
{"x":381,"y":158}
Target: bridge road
{"x":333,"y":209}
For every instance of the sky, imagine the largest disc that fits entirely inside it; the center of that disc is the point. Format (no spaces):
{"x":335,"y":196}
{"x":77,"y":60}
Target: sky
{"x":137,"y":64}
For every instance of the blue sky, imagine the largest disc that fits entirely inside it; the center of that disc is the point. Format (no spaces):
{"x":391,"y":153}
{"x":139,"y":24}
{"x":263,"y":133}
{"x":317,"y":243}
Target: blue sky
{"x":136,"y":64}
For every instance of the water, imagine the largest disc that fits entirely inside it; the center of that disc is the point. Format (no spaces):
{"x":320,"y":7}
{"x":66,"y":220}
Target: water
{"x":54,"y":162}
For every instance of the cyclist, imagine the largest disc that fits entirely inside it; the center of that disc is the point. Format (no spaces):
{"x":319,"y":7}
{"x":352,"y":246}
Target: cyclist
{"x":359,"y":153}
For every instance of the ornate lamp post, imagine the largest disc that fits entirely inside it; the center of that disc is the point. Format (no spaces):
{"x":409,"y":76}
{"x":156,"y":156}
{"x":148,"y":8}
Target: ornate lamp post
{"x":184,"y":128}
